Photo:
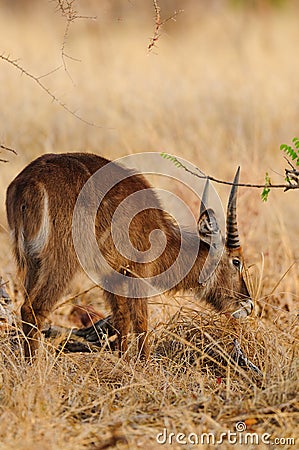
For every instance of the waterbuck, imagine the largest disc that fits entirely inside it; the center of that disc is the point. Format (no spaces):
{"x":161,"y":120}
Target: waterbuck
{"x":40,"y":204}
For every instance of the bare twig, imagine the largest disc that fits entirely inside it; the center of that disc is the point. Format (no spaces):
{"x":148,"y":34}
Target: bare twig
{"x":63,"y":53}
{"x":7,"y":149}
{"x":50,"y":72}
{"x":54,"y":98}
{"x":159,"y":24}
{"x":69,"y":12}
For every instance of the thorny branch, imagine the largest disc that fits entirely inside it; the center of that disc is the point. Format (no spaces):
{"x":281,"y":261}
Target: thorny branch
{"x":159,"y":24}
{"x":54,"y":98}
{"x":66,"y":8}
{"x":69,"y":12}
{"x":292,"y":177}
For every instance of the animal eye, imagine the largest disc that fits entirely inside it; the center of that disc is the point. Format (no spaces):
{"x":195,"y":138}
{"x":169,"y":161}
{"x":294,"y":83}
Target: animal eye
{"x":237,"y":263}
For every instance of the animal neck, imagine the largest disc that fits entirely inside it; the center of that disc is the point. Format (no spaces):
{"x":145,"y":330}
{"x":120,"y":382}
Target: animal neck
{"x":186,"y":254}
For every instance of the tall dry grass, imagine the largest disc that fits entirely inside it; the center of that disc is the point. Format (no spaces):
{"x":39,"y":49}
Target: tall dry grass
{"x":219,"y":90}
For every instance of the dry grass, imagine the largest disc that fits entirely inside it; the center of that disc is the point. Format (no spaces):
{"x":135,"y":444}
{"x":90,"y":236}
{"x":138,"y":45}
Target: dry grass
{"x":220,"y":91}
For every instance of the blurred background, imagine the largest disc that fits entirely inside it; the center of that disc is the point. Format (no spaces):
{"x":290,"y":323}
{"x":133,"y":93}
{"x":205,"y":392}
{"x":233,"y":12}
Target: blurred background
{"x":219,"y":88}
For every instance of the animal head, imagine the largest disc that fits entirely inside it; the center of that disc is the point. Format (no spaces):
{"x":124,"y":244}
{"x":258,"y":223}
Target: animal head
{"x":224,"y":286}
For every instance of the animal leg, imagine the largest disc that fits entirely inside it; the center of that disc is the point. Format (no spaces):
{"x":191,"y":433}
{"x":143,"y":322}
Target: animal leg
{"x":43,"y":287}
{"x":120,"y":319}
{"x":139,"y":317}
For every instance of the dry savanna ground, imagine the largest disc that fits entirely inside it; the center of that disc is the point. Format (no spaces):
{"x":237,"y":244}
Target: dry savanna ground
{"x":219,"y":89}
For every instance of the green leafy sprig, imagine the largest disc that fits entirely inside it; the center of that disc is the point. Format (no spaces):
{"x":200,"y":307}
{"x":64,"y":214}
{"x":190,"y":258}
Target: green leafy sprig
{"x":291,"y":178}
{"x":292,"y":152}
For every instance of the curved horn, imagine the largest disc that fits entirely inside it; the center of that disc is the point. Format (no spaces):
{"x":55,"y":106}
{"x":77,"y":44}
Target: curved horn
{"x":232,"y":236}
{"x":204,"y":198}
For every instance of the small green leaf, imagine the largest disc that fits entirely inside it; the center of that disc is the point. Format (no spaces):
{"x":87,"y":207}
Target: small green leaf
{"x":166,"y":155}
{"x":265,"y":194}
{"x":266,"y":190}
{"x":173,"y":159}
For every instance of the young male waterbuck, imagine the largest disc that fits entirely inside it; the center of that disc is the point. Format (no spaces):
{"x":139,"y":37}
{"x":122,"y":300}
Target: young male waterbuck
{"x":40,"y":204}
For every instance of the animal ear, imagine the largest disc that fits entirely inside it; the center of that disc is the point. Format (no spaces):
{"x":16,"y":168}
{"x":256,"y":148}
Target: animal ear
{"x":208,"y":228}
